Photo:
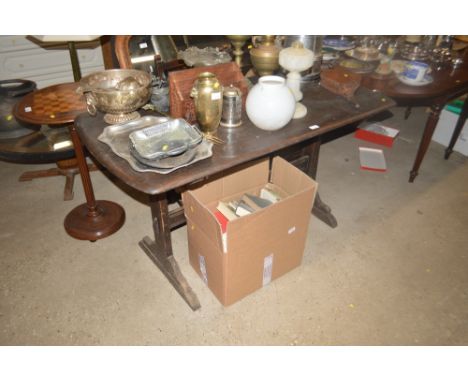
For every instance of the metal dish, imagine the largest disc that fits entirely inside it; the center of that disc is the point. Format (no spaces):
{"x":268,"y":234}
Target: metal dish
{"x":414,"y":52}
{"x":167,"y":162}
{"x":208,"y":56}
{"x":364,"y":54}
{"x":116,"y":137}
{"x":117,"y":92}
{"x":356,"y":66}
{"x":338,"y":43}
{"x":328,"y":55}
{"x":170,"y":138}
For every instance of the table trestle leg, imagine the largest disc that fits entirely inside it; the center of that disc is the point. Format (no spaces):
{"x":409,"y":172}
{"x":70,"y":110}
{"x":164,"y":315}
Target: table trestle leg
{"x":160,"y":252}
{"x":320,"y":209}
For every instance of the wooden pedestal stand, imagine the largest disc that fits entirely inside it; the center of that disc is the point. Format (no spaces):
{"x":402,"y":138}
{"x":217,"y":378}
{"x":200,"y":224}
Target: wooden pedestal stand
{"x":97,"y":218}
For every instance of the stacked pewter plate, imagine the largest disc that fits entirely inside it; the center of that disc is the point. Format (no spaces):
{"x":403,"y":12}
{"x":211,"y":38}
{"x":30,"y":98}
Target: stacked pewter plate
{"x":166,"y":145}
{"x":157,"y":144}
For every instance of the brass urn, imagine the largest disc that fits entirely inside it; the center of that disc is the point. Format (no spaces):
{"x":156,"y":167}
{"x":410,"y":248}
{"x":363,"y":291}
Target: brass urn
{"x":264,"y":55}
{"x":207,"y":95}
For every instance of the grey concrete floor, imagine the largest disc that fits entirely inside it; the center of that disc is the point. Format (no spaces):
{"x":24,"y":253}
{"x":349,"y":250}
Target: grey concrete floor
{"x":394,"y":271}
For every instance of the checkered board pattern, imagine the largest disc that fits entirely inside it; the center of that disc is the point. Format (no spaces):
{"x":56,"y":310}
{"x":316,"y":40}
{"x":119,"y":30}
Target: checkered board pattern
{"x":53,"y":105}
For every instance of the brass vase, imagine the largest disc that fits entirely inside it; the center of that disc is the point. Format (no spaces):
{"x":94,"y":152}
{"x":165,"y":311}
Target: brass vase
{"x":265,"y":55}
{"x":207,"y":95}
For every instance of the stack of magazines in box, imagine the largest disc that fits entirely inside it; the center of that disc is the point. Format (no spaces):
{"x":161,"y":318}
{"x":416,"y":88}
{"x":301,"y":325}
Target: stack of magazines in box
{"x":247,"y":204}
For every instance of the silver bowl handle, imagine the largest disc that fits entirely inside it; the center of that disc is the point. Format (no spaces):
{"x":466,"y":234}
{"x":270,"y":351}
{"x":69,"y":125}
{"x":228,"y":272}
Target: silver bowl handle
{"x":91,"y":104}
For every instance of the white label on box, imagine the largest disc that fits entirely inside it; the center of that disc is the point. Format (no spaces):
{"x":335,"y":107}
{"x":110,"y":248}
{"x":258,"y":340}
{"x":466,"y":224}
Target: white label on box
{"x":27,"y":109}
{"x":143,"y":45}
{"x":291,"y":230}
{"x":267,"y":269}
{"x":201,"y":260}
{"x":215,"y":96}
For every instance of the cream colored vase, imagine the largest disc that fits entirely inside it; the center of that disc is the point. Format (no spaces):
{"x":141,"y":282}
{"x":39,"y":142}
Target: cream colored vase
{"x":270,"y":103}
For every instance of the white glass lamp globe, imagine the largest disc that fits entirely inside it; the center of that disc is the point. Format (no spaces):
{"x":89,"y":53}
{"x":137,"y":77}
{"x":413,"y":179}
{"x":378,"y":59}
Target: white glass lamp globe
{"x":296,"y":59}
{"x":270,"y":104}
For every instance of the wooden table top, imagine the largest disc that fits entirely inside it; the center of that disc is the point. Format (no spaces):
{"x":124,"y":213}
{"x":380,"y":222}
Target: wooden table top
{"x":447,"y":82}
{"x":243,"y":144}
{"x":53,"y":105}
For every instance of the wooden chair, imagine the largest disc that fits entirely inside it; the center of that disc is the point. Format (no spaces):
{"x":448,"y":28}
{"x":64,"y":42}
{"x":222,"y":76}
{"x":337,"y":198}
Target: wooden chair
{"x":124,"y":58}
{"x":122,"y":52}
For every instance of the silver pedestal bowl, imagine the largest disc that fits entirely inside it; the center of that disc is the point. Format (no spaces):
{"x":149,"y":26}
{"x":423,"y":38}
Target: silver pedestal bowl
{"x":117,"y":92}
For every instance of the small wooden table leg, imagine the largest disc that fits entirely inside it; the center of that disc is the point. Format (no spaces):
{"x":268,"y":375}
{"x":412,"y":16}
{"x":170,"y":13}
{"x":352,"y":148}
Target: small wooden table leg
{"x":159,"y":250}
{"x":30,"y":175}
{"x":426,"y":139}
{"x":67,"y":168}
{"x":320,"y":209}
{"x":407,"y":112}
{"x":68,"y":191}
{"x":458,"y":128}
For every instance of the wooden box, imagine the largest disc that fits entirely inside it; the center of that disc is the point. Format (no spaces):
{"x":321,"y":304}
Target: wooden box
{"x":181,"y":83}
{"x":340,"y":81}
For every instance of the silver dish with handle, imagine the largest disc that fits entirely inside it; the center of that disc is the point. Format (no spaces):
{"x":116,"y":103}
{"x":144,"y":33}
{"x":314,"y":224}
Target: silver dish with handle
{"x":117,"y":92}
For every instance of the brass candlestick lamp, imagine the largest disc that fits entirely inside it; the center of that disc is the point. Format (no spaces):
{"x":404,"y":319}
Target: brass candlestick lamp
{"x":238,"y":42}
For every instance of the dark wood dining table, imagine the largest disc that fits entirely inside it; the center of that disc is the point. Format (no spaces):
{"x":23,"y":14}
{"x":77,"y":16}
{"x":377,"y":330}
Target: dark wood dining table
{"x":326,"y":112}
{"x":448,"y":83}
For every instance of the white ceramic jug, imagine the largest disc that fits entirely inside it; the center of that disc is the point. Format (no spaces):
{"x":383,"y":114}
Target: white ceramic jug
{"x":270,"y":103}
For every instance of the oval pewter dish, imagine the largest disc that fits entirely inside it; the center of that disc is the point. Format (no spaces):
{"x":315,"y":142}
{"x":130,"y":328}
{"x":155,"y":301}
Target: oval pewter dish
{"x":167,"y":139}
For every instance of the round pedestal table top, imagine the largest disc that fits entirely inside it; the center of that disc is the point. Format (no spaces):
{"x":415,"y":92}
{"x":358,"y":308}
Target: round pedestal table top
{"x":53,"y":105}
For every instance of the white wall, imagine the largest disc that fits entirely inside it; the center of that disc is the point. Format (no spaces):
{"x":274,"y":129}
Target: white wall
{"x":21,"y":58}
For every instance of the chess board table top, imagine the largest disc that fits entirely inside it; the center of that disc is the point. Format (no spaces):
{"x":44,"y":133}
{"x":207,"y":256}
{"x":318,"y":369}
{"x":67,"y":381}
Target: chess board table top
{"x":53,"y":105}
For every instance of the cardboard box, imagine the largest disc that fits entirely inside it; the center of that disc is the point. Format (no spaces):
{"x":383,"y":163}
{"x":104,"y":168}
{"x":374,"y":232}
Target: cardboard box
{"x":377,"y":133}
{"x":258,"y":247}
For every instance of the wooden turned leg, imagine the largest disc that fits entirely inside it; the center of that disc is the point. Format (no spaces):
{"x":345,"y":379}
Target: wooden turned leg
{"x":95,"y":219}
{"x":159,"y":250}
{"x":320,"y":209}
{"x":425,"y":140}
{"x":458,"y":128}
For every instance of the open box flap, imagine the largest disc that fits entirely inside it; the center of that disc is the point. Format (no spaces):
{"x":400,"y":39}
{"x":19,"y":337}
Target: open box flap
{"x":253,"y":176}
{"x":200,"y":217}
{"x":291,"y":180}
